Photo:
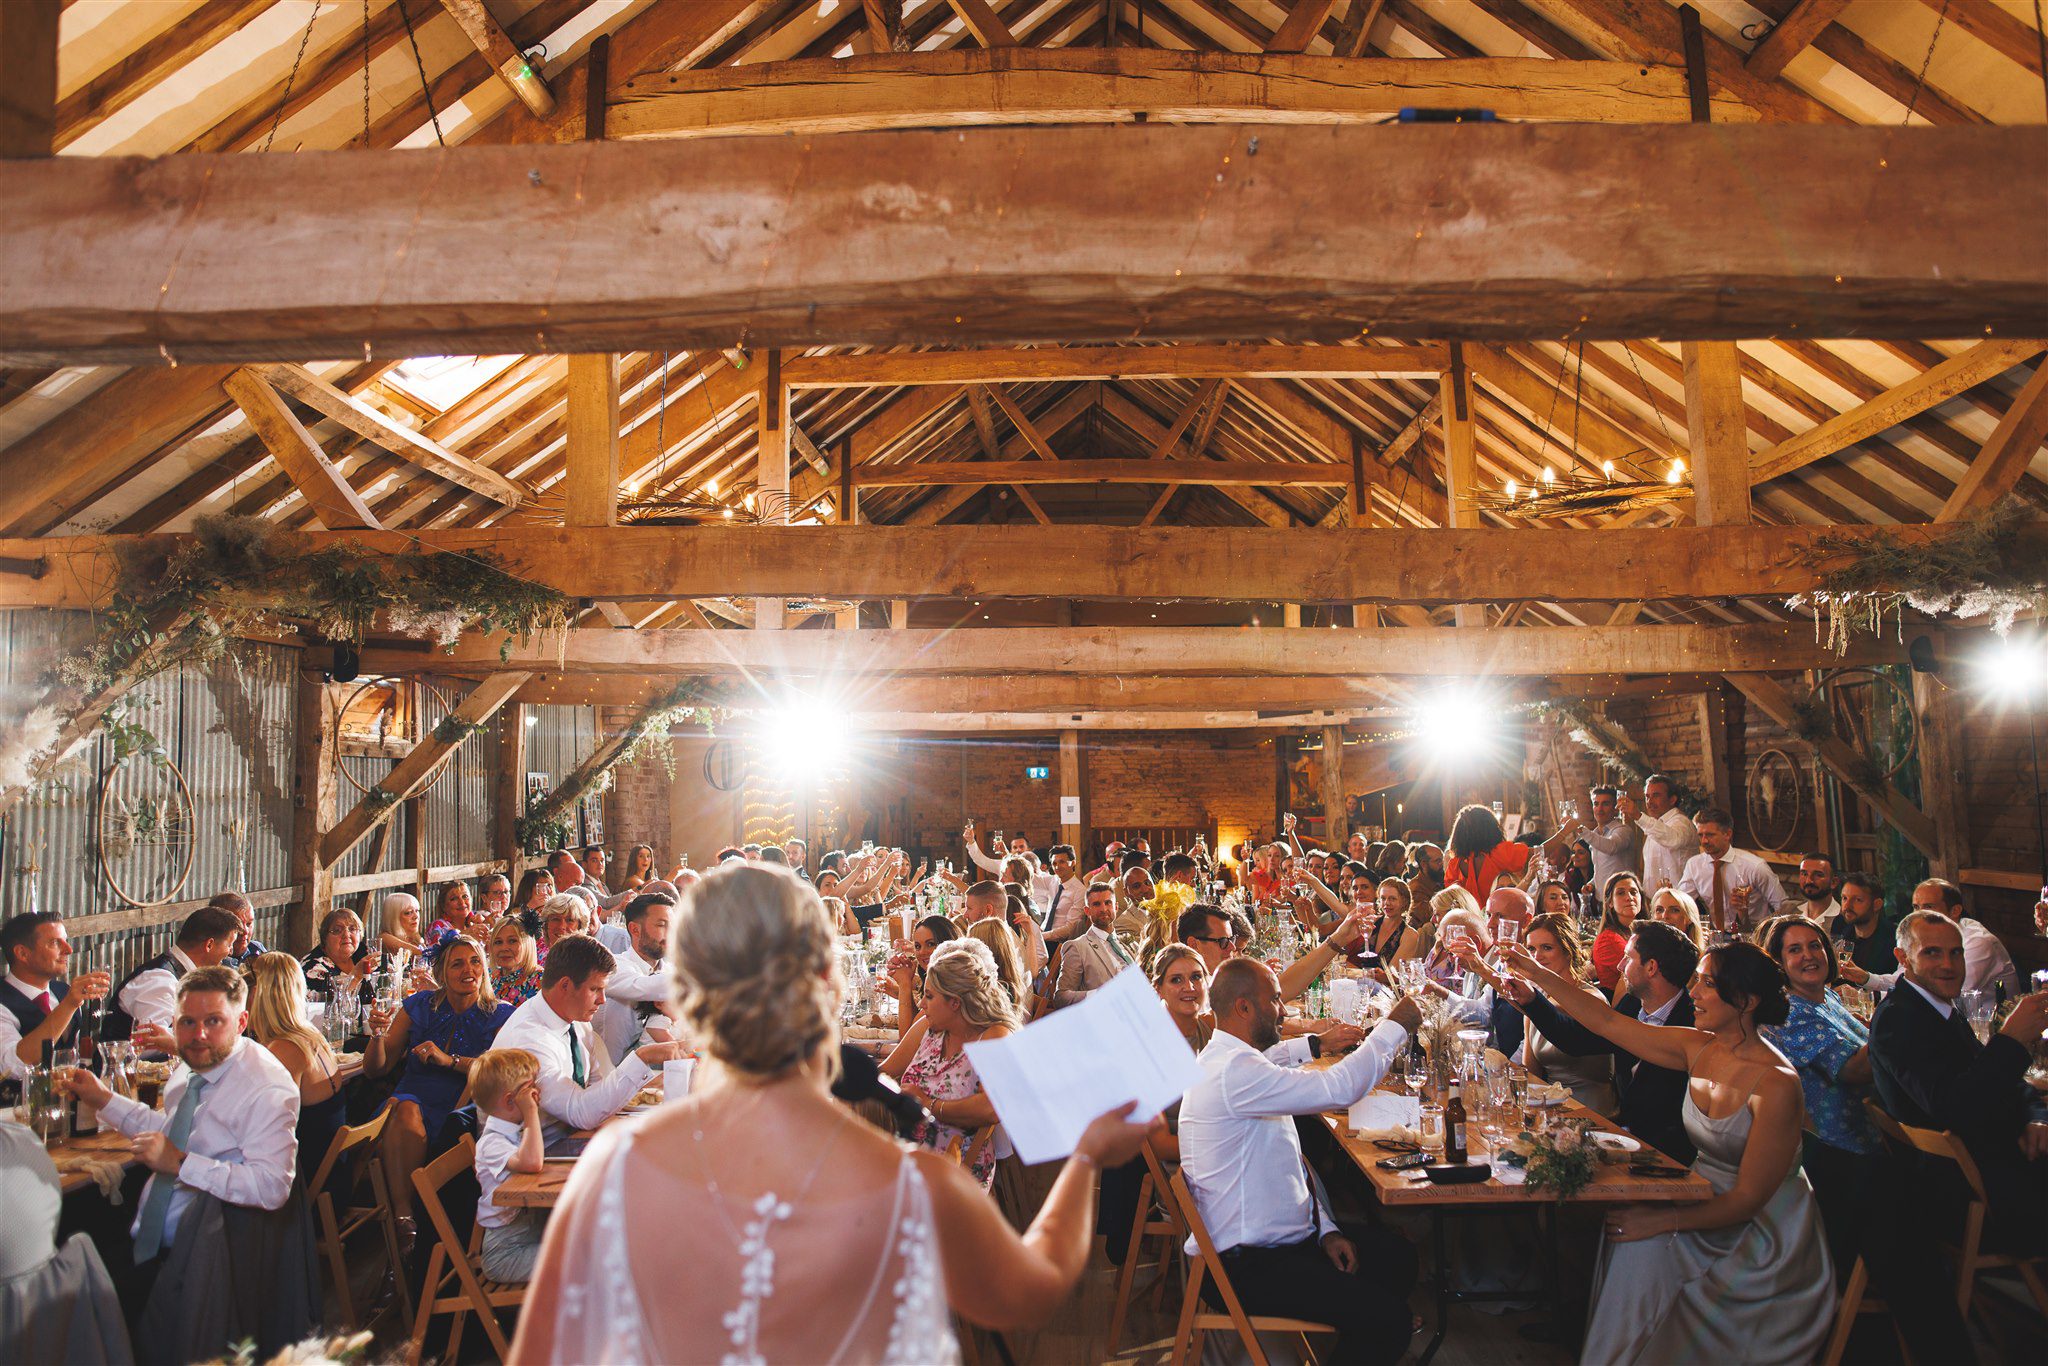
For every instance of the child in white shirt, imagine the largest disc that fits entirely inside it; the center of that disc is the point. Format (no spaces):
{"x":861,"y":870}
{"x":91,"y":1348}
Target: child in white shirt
{"x":505,"y":1083}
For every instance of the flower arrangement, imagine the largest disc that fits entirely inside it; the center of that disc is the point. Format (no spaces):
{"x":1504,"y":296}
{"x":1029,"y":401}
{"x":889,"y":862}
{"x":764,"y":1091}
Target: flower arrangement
{"x":1560,"y":1159}
{"x":1169,"y":899}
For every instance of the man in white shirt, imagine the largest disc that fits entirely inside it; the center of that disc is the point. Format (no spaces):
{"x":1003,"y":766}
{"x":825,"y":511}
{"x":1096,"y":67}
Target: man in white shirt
{"x":36,"y":1003}
{"x":1091,"y":960}
{"x":227,"y":1126}
{"x":1067,"y":912}
{"x":579,"y":1088}
{"x":147,"y":1001}
{"x":1736,"y":890}
{"x":1817,"y":887}
{"x":1617,"y":845}
{"x":1669,"y":836}
{"x":1987,"y":965}
{"x":638,"y":988}
{"x":1242,"y":1158}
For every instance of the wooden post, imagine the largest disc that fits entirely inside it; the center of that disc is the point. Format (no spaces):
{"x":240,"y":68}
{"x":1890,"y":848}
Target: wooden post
{"x":899,"y":614}
{"x":1461,"y":462}
{"x":416,"y":847}
{"x":1290,"y":614}
{"x":28,"y":77}
{"x":1074,"y":787}
{"x":771,"y":483}
{"x":590,"y":481}
{"x":1336,"y":829}
{"x":315,"y":771}
{"x":1719,"y":432}
{"x":1361,"y":490}
{"x":511,"y":785}
{"x":1715,"y":758}
{"x":1941,"y":775}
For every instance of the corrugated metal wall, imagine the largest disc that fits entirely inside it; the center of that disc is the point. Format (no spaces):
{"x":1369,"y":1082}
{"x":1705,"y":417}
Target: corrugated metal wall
{"x":228,"y":729}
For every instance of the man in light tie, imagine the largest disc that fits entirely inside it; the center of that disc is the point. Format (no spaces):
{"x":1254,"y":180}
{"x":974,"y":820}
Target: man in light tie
{"x":1736,"y":888}
{"x":1616,"y":844}
{"x":1091,"y":960}
{"x":579,"y":1088}
{"x":228,"y":1126}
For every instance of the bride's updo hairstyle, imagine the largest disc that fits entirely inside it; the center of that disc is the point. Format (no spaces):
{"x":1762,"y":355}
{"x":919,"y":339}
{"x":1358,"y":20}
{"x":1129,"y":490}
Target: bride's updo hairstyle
{"x":1745,"y":976}
{"x":753,"y":970}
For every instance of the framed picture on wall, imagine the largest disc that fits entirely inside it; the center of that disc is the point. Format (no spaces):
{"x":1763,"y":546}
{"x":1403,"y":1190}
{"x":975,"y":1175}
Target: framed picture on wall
{"x":538,"y":785}
{"x":593,"y":819}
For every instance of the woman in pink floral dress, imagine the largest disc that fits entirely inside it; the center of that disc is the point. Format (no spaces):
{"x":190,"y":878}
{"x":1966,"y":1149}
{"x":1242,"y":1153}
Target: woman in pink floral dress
{"x":963,"y":1002}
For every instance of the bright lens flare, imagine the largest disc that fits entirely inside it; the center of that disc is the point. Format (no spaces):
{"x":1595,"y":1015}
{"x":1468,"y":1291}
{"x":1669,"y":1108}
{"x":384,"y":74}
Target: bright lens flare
{"x":2014,"y":667}
{"x":1454,"y":727}
{"x":804,"y":737}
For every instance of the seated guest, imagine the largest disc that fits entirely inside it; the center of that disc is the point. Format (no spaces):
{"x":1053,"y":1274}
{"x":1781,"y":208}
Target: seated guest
{"x":247,"y":946}
{"x":1656,"y":968}
{"x":1553,"y":941}
{"x":1678,"y":910}
{"x":340,"y":962}
{"x":991,"y":901}
{"x":455,"y":913}
{"x":1842,"y":1152}
{"x":1817,"y":887}
{"x":1282,"y":1248}
{"x":565,"y":870}
{"x":1001,"y":942}
{"x":1621,"y":901}
{"x":1180,"y":974}
{"x":594,"y":862}
{"x":277,"y":1021}
{"x":1091,"y":960}
{"x":639,"y":867}
{"x":149,"y":995}
{"x":36,"y":1003}
{"x":228,"y":1126}
{"x":398,"y":926}
{"x":1553,"y":897}
{"x":515,"y":963}
{"x":1733,"y":888}
{"x":564,"y":914}
{"x":1931,"y":1072}
{"x":963,"y":1003}
{"x":506,"y":1085}
{"x":54,"y":1306}
{"x":438,"y":1034}
{"x":1508,"y":904}
{"x":903,"y":973}
{"x":1391,"y":938}
{"x":1206,"y":930}
{"x":1743,"y":1275}
{"x":1461,"y":929}
{"x":638,"y":986}
{"x":579,"y":1087}
{"x":1426,"y":877}
{"x":536,"y":885}
{"x":1865,"y":937}
{"x":495,"y":894}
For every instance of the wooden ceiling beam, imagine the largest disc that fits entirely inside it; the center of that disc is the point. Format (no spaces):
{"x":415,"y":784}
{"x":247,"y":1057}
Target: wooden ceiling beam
{"x":1185,"y":361}
{"x":973,"y":88}
{"x":1791,"y":36}
{"x":30,"y":116}
{"x":1428,"y":566}
{"x":1085,"y":471}
{"x":526,"y":83}
{"x":981,"y":21}
{"x":1303,"y":23}
{"x":2008,"y":452}
{"x":1631,"y":30}
{"x":336,"y":505}
{"x":295,"y":255}
{"x":1299,"y":652}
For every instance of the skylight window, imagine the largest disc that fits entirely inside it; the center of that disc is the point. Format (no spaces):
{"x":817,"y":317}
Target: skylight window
{"x":441,"y":382}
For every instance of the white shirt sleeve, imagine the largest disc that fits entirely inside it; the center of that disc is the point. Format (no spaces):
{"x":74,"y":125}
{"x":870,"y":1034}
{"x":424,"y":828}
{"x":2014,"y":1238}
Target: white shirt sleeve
{"x":132,"y":1117}
{"x":1660,"y":828}
{"x":1772,"y":890}
{"x":1985,"y":960}
{"x":152,"y":998}
{"x":1294,"y":1052}
{"x":261,"y":1175}
{"x":633,"y":987}
{"x":1615,"y":843}
{"x":992,"y":866}
{"x":1697,"y":881}
{"x":11,"y":1064}
{"x":586,"y":1107}
{"x":1253,"y":1086}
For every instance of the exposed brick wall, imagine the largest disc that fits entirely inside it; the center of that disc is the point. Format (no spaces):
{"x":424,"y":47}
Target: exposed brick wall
{"x":1183,"y":778}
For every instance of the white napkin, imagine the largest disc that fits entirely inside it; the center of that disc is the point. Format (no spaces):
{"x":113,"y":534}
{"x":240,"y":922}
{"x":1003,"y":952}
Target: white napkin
{"x":1385,"y":1117}
{"x":1508,"y":1175}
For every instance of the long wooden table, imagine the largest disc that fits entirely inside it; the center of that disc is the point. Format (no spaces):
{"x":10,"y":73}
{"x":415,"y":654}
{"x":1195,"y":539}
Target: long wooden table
{"x":107,"y":1146}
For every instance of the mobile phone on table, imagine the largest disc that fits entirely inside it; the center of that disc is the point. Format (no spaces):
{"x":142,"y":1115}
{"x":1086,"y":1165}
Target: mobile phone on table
{"x":1405,"y":1162}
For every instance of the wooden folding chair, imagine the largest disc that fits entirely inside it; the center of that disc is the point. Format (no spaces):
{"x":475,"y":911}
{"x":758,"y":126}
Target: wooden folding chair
{"x":1155,"y":1217}
{"x":452,"y":1259}
{"x":336,"y":1226}
{"x":1048,"y":984}
{"x":1856,"y":1300}
{"x":1196,"y":1322}
{"x":1969,"y":1253}
{"x":969,"y":1144}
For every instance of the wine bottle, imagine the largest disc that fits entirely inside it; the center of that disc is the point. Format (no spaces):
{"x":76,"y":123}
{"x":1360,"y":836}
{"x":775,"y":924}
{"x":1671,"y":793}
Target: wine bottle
{"x":1454,"y":1127}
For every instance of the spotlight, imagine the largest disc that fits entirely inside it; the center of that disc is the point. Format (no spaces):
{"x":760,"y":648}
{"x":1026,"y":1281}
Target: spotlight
{"x":1454,"y":725}
{"x":804,"y":737}
{"x":2013,"y":667}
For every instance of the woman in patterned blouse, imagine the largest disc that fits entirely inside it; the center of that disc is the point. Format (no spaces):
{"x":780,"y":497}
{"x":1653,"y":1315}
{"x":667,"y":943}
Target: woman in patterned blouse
{"x":515,"y":969}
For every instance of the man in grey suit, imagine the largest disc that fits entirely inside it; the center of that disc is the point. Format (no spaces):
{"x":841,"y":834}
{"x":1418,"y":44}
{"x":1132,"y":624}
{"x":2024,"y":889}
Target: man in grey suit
{"x":1091,"y":960}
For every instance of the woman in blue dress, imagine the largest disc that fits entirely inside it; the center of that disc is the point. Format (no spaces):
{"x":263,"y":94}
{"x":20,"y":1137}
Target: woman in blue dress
{"x":439,"y":1035}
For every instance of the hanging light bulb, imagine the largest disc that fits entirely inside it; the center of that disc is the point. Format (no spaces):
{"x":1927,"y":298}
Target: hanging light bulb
{"x":728,"y":514}
{"x":711,"y":486}
{"x":1607,"y":468}
{"x":1511,"y":490}
{"x":1677,"y":472}
{"x":1549,"y":475}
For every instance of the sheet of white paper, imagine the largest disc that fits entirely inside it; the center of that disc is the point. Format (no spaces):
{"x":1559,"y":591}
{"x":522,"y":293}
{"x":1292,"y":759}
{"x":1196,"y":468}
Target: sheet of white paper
{"x":1070,"y":811}
{"x":1054,"y":1076}
{"x":1376,"y":1110}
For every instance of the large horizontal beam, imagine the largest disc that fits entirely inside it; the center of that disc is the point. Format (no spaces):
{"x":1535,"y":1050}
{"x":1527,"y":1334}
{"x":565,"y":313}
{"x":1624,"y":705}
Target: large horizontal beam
{"x":998,"y":365}
{"x":883,"y":656}
{"x":1161,"y":232}
{"x":1215,"y":564}
{"x":1101,"y":472}
{"x":1118,"y":85}
{"x":990,"y":692}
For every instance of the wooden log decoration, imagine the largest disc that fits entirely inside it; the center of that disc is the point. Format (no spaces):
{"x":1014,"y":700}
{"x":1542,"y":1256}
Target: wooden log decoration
{"x":788,"y":243}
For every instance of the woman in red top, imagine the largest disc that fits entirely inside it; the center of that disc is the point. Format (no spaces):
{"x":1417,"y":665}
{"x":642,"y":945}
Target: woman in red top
{"x":1622,"y":902}
{"x":1478,"y":853}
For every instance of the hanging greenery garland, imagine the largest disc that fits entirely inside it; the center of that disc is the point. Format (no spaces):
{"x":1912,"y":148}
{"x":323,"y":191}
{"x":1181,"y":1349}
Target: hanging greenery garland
{"x":1983,"y":568}
{"x":1606,"y":741}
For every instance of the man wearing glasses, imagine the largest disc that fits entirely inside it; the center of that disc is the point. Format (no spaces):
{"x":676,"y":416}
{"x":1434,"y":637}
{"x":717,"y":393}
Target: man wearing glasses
{"x":1205,"y":930}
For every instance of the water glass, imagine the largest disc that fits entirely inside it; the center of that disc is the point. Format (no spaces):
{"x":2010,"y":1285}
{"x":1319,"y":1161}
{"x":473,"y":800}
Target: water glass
{"x":1431,"y":1128}
{"x":1979,"y":1006}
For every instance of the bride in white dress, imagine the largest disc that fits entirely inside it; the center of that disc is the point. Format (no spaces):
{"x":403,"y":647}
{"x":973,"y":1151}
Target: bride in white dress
{"x":759,"y":1220}
{"x":1743,"y":1276}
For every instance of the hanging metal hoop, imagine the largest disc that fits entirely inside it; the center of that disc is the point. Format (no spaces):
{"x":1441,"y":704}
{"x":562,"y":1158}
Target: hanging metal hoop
{"x":429,"y":717}
{"x":1873,"y":715}
{"x":1774,"y":796}
{"x":143,"y":830}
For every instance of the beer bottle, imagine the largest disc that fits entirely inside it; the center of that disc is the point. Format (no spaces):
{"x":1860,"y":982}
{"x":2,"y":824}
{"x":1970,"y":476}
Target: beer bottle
{"x":1454,"y":1127}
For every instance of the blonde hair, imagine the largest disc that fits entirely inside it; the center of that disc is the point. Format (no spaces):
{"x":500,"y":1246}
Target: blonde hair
{"x":1172,"y":954}
{"x":277,"y":1006}
{"x":753,"y":969}
{"x":529,"y":958}
{"x":963,"y":970}
{"x":484,"y":996}
{"x":1693,"y":929}
{"x":394,"y":909}
{"x":1001,"y":942}
{"x":496,"y":1074}
{"x":1455,"y":898}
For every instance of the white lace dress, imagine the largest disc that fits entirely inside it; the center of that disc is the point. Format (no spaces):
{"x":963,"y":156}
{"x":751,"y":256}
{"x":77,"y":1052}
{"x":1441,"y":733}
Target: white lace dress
{"x":852,"y":1279}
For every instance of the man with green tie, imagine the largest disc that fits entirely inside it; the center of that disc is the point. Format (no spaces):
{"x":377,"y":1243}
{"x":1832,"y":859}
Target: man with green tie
{"x":1091,"y":960}
{"x":579,"y":1087}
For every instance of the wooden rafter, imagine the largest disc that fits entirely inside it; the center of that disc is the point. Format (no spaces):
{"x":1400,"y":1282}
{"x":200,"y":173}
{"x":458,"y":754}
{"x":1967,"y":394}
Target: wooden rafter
{"x":2003,"y":461}
{"x":527,"y":85}
{"x":30,"y":116}
{"x":1791,"y":35}
{"x":997,"y":365}
{"x":336,"y":504}
{"x":247,"y":282}
{"x":1083,"y":471}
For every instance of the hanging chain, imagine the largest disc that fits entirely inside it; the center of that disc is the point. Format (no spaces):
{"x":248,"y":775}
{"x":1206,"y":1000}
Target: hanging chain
{"x":366,"y":73}
{"x":425,"y":89}
{"x":1921,"y":80}
{"x":1650,"y":396}
{"x":1578,"y":397}
{"x":292,"y":79}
